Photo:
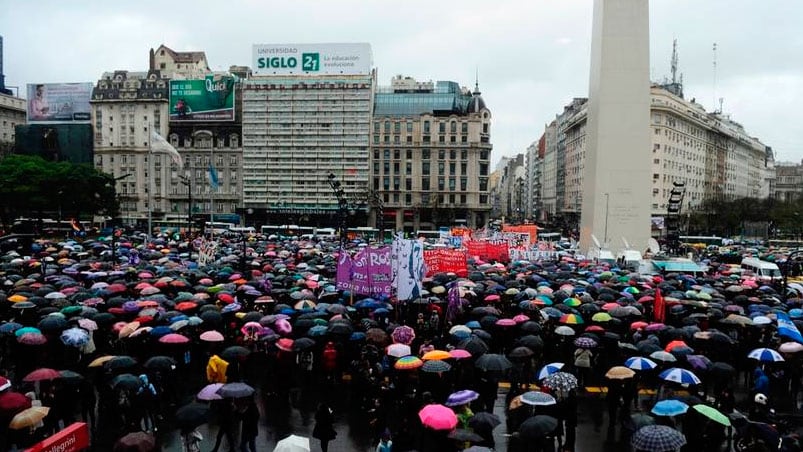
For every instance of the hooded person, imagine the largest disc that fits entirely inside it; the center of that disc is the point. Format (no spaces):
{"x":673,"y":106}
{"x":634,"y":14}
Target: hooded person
{"x":147,"y":398}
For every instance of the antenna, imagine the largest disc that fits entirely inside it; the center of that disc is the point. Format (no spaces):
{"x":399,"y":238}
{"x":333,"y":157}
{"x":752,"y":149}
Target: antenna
{"x":674,"y":60}
{"x":720,"y":104}
{"x":714,"y":94}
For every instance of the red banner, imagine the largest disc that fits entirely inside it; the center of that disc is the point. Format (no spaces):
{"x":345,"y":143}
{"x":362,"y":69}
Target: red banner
{"x":487,"y":251}
{"x":445,"y":261}
{"x":74,"y":438}
{"x":659,"y":307}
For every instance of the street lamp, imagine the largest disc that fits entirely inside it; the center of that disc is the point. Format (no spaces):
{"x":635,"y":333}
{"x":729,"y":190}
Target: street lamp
{"x":114,"y":235}
{"x":187,"y":182}
{"x":607,"y":198}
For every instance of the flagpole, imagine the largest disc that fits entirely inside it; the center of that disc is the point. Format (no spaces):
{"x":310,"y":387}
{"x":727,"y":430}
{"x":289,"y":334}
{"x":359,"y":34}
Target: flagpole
{"x":150,"y":185}
{"x":211,"y":192}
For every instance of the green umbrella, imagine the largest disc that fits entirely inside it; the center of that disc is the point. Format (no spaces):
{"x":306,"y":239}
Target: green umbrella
{"x":713,"y":414}
{"x":601,"y":317}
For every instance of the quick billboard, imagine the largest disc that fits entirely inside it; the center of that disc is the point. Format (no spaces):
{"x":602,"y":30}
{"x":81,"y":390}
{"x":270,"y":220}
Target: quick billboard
{"x":312,"y":59}
{"x":59,"y":103}
{"x":211,"y":99}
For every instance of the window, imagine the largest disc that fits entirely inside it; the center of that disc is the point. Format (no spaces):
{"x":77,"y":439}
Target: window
{"x":426,"y":139}
{"x":451,"y":199}
{"x":463,"y":183}
{"x":462,"y":199}
{"x":441,"y":168}
{"x":376,"y":154}
{"x":408,"y":184}
{"x":425,"y":154}
{"x":409,"y":154}
{"x":452,"y":154}
{"x":396,"y":183}
{"x":386,"y":183}
{"x":409,"y":127}
{"x":408,"y":199}
{"x":441,"y":139}
{"x":464,"y":168}
{"x":441,"y":184}
{"x":376,"y":127}
{"x":386,"y":166}
{"x":376,"y":167}
{"x":441,"y":154}
{"x":396,"y":169}
{"x":452,"y":185}
{"x":464,"y":127}
{"x":464,"y":139}
{"x":396,"y":139}
{"x":157,"y":119}
{"x":452,"y":166}
{"x":396,"y":154}
{"x":483,"y":184}
{"x":483,"y":155}
{"x":397,"y":127}
{"x":387,"y":126}
{"x":408,"y":168}
{"x":452,"y":139}
{"x":453,"y":127}
{"x":376,"y":139}
{"x":442,"y":127}
{"x":386,"y":154}
{"x":426,"y":126}
{"x":234,"y":140}
{"x":98,"y":119}
{"x":386,"y":139}
{"x":485,"y":128}
{"x":425,"y":168}
{"x":483,"y":169}
{"x":425,"y":183}
{"x":483,"y":199}
{"x":376,"y":183}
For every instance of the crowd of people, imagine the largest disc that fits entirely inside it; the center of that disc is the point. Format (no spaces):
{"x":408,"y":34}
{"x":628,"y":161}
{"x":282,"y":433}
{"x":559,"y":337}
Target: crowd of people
{"x":146,"y":340}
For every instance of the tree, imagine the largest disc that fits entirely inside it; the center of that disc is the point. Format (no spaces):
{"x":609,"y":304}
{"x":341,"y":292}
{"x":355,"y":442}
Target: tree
{"x":33,"y":187}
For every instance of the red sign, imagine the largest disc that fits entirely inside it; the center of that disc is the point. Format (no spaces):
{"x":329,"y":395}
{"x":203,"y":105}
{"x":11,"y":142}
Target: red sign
{"x":488,"y":250}
{"x":445,"y":261}
{"x":74,"y":438}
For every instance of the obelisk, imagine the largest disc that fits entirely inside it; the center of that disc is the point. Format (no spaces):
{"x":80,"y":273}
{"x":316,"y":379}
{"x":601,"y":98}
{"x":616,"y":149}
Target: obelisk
{"x":617,"y":185}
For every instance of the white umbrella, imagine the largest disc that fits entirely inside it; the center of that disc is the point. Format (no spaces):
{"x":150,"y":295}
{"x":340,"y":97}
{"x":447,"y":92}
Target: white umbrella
{"x":293,"y":443}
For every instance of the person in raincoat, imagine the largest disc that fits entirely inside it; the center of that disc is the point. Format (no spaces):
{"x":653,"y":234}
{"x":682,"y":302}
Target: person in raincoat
{"x":324,"y":426}
{"x":216,"y":369}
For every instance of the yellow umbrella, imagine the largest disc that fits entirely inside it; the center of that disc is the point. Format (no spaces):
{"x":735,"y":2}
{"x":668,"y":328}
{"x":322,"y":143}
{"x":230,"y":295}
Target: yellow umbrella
{"x":17,"y":298}
{"x":436,"y":355}
{"x":29,"y":417}
{"x":620,"y":373}
{"x":98,"y":362}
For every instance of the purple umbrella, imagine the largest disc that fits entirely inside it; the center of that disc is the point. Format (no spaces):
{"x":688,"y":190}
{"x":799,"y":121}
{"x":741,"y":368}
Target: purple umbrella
{"x":209,"y":392}
{"x":403,"y":335}
{"x":283,"y":327}
{"x":130,"y":306}
{"x":461,"y":397}
{"x":699,"y":362}
{"x":32,"y":339}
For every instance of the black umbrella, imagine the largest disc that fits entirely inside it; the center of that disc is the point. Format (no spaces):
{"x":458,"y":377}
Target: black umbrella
{"x":120,"y":362}
{"x":474,"y":345}
{"x":303,"y":343}
{"x":211,"y":317}
{"x":530,"y":327}
{"x":125,"y":381}
{"x":234,"y":352}
{"x":235,"y":390}
{"x":484,"y":335}
{"x":192,"y":415}
{"x":340,"y":329}
{"x":484,"y":421}
{"x":70,"y":377}
{"x":532,"y":342}
{"x":520,"y":352}
{"x":52,"y":323}
{"x":465,"y":435}
{"x":160,"y":362}
{"x":537,"y":427}
{"x":135,"y":442}
{"x":721,"y":370}
{"x":493,"y":362}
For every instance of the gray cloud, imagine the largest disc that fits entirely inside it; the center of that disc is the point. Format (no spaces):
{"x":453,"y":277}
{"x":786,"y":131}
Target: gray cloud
{"x":532,"y":57}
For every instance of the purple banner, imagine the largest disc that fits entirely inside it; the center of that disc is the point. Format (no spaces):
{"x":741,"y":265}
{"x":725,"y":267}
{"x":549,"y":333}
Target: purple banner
{"x":367,"y":273}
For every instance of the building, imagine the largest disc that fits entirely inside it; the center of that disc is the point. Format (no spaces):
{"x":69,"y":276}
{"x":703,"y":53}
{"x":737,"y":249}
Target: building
{"x":12,"y":114}
{"x":789,"y":181}
{"x":533,"y":161}
{"x":430,"y":154}
{"x":306,"y":116}
{"x":126,"y":107}
{"x":708,"y":152}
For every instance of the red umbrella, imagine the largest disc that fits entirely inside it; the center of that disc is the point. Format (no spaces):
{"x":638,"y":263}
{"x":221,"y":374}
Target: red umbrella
{"x":42,"y":374}
{"x":438,"y":417}
{"x":13,"y":402}
{"x":673,"y":344}
{"x":174,"y":338}
{"x":186,"y":306}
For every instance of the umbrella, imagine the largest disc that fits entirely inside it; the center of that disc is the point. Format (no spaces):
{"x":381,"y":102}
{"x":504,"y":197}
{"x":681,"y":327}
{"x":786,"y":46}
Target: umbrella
{"x":120,"y":362}
{"x":722,"y":370}
{"x":520,"y":352}
{"x":561,"y":381}
{"x":663,"y":356}
{"x":765,"y":355}
{"x":461,"y":398}
{"x":669,"y":407}
{"x":4,"y":383}
{"x":681,"y":376}
{"x":639,"y":363}
{"x":537,"y":427}
{"x":548,"y":370}
{"x":537,"y":398}
{"x":403,"y":335}
{"x":235,"y":390}
{"x":459,"y":353}
{"x":212,"y":336}
{"x":234,"y":353}
{"x":68,"y":376}
{"x":474,"y":345}
{"x":209,"y":392}
{"x":28,"y":417}
{"x":619,"y":373}
{"x":564,"y":330}
{"x":790,"y":347}
{"x":465,"y":435}
{"x":174,"y":338}
{"x":136,"y":442}
{"x":435,"y":355}
{"x":398,"y":350}
{"x":293,"y":443}
{"x":160,"y":362}
{"x":13,"y":402}
{"x":585,"y":342}
{"x":484,"y":421}
{"x":32,"y":339}
{"x":438,"y":417}
{"x":100,"y":361}
{"x":192,"y":415}
{"x":408,"y":363}
{"x":42,"y":374}
{"x":302,"y":343}
{"x":713,"y":414}
{"x":657,"y":438}
{"x":125,"y":381}
{"x":493,"y":362}
{"x":75,"y":337}
{"x":436,"y":366}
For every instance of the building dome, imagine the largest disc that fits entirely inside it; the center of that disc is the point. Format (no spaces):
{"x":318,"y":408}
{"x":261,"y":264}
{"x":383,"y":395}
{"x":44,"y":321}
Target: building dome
{"x":476,"y":104}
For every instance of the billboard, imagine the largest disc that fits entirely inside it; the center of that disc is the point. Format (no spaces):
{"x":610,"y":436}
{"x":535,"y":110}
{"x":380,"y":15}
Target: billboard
{"x":210,"y":99}
{"x":312,"y":59}
{"x":59,"y":103}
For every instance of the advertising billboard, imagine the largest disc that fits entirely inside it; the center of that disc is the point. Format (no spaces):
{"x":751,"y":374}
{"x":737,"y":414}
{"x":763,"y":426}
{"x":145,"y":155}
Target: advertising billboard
{"x":210,"y":99}
{"x":59,"y":103}
{"x":312,"y":59}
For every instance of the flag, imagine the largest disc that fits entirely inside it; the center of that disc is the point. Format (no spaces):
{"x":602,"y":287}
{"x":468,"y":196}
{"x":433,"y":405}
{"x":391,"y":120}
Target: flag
{"x":787,"y":328}
{"x":658,"y":307}
{"x":214,"y":181}
{"x":159,"y":144}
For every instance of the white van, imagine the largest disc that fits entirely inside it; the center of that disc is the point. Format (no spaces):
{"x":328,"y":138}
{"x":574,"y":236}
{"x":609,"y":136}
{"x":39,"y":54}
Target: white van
{"x":763,"y":270}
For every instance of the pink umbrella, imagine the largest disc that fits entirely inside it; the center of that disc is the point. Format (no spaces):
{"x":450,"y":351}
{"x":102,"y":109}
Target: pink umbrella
{"x":521,"y":318}
{"x":212,"y":336}
{"x":506,"y":322}
{"x":283,"y":327}
{"x":459,"y":353}
{"x":251,"y":328}
{"x":32,"y":339}
{"x":403,"y":335}
{"x":88,"y":324}
{"x":174,"y":338}
{"x":42,"y":374}
{"x":438,"y":417}
{"x":209,"y":392}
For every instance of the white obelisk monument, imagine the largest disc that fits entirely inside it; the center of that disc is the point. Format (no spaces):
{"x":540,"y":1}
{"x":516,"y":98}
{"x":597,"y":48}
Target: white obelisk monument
{"x":617,"y":186}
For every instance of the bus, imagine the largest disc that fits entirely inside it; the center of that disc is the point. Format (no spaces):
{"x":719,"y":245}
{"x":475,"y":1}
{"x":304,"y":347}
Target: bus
{"x":218,"y":227}
{"x":287,"y":230}
{"x":779,"y":243}
{"x":429,"y":236}
{"x":704,"y":239}
{"x":363,"y":233}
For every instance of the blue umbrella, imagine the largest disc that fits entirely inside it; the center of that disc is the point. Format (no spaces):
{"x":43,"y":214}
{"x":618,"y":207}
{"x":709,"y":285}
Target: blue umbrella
{"x":669,"y":408}
{"x":461,"y":397}
{"x":679,"y":375}
{"x":355,"y":336}
{"x":160,"y":331}
{"x":548,"y":370}
{"x":9,"y":328}
{"x":473,"y":324}
{"x":317,"y":331}
{"x":639,"y":363}
{"x":75,"y":337}
{"x":766,"y":355}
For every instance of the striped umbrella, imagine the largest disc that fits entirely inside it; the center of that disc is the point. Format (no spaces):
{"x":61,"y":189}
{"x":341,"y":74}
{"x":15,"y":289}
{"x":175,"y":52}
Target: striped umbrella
{"x":548,"y":370}
{"x":537,"y":398}
{"x":679,"y":375}
{"x":639,"y":363}
{"x":408,"y":363}
{"x":435,"y":366}
{"x":766,"y":355}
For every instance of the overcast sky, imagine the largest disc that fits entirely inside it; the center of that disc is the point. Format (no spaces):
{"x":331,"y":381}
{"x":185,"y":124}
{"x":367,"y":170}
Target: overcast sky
{"x":532,"y":55}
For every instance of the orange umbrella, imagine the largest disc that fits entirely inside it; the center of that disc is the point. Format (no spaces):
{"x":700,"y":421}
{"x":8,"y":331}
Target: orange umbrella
{"x":28,"y":417}
{"x":99,"y":362}
{"x":436,"y":355}
{"x":670,"y":346}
